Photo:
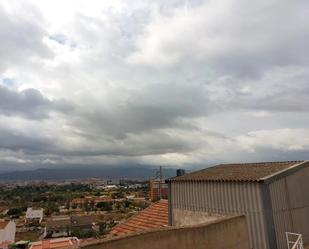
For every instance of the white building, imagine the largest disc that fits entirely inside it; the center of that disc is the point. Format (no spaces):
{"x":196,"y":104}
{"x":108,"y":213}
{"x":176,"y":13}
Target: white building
{"x":34,"y":215}
{"x":7,"y":233}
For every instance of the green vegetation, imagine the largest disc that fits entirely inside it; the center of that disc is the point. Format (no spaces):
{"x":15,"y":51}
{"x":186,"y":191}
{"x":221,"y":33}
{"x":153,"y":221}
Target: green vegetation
{"x":50,"y":197}
{"x":105,"y":206}
{"x":15,"y":211}
{"x":75,"y":198}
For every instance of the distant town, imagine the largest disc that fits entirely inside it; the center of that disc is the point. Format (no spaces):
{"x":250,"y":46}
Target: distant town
{"x":86,"y":209}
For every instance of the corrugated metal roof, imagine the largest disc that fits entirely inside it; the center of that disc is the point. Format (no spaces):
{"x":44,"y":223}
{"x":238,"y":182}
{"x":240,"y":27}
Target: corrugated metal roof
{"x":237,"y":172}
{"x":155,"y":216}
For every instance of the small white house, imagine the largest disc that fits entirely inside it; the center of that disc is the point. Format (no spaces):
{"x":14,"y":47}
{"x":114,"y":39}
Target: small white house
{"x":7,"y":233}
{"x":34,"y":215}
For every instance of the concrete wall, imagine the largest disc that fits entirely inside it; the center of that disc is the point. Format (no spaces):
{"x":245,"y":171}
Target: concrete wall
{"x":221,"y":234}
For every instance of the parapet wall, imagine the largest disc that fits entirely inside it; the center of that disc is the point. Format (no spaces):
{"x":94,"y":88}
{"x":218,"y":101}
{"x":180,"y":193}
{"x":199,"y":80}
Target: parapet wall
{"x":186,"y":217}
{"x":223,"y":233}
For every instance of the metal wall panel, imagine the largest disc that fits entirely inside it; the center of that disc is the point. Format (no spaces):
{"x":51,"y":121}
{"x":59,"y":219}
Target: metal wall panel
{"x":225,"y":198}
{"x":281,"y":213}
{"x":290,"y":203}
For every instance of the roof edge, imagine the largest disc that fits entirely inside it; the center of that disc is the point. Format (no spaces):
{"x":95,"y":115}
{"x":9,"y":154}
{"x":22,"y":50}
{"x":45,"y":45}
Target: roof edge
{"x":279,"y":173}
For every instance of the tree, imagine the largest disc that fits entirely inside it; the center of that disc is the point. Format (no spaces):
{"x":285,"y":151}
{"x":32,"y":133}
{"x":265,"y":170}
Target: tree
{"x":105,"y":206}
{"x":14,"y":211}
{"x":127,"y":203}
{"x":50,"y":209}
{"x":102,"y":227}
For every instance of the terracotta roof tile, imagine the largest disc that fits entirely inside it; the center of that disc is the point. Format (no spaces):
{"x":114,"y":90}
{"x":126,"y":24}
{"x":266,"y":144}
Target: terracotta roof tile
{"x":237,"y":172}
{"x":155,"y":216}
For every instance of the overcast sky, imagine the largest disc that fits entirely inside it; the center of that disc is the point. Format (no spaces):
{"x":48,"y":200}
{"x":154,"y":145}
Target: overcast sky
{"x":172,"y":83}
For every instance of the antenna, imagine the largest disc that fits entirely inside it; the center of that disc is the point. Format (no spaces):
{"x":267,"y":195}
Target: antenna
{"x":160,"y":182}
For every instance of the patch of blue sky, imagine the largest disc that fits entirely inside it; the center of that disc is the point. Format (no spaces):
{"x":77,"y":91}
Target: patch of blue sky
{"x":7,"y":82}
{"x":63,"y":40}
{"x":60,"y":38}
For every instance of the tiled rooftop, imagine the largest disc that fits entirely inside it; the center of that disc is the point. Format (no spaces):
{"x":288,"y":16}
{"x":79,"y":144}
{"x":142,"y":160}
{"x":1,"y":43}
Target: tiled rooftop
{"x":237,"y":172}
{"x":155,"y":216}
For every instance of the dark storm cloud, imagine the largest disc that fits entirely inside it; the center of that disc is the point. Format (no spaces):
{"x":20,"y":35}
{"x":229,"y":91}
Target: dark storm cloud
{"x":29,"y":103}
{"x":29,"y":144}
{"x":153,"y":107}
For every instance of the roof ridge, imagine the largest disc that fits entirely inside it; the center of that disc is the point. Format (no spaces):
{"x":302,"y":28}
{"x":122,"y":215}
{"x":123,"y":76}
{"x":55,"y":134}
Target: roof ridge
{"x":264,"y":162}
{"x":256,"y":171}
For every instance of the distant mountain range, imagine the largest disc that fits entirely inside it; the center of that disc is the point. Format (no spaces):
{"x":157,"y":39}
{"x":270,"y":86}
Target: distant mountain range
{"x":83,"y":173}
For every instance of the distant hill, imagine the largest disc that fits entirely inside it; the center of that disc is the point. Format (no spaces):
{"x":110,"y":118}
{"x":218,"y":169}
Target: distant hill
{"x":83,"y":173}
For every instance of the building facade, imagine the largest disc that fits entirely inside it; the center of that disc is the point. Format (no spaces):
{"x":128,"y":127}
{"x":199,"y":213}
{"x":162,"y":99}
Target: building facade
{"x":272,"y":196}
{"x":67,"y":225}
{"x":34,"y":215}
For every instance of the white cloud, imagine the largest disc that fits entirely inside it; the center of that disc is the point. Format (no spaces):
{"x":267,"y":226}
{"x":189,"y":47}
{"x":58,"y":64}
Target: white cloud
{"x":279,"y":139}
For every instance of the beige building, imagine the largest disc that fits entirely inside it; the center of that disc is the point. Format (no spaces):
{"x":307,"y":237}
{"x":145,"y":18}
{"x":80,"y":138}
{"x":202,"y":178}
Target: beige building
{"x":273,"y":197}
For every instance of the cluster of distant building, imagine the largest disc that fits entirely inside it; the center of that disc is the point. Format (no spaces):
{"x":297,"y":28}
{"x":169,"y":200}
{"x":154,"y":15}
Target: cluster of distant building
{"x":8,"y":227}
{"x":7,"y":237}
{"x":252,"y":205}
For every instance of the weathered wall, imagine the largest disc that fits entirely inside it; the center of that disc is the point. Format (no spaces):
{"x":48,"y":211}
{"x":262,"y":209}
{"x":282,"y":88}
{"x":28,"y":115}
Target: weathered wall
{"x":187,"y":217}
{"x":222,"y":198}
{"x":221,"y":234}
{"x":290,"y":203}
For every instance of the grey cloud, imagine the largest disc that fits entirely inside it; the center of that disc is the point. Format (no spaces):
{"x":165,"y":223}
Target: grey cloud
{"x":15,"y":140}
{"x":21,"y":37}
{"x":153,"y":107}
{"x":244,"y":40}
{"x":29,"y":103}
{"x":284,"y":90}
